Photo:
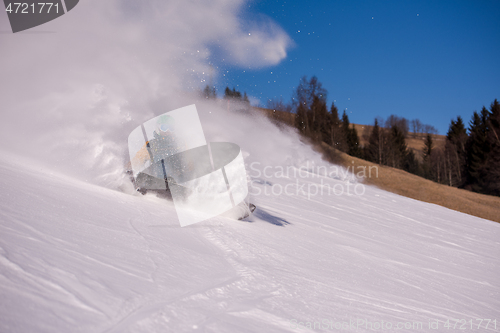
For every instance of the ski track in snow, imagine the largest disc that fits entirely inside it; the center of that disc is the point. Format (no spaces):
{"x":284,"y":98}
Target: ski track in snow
{"x":75,"y":257}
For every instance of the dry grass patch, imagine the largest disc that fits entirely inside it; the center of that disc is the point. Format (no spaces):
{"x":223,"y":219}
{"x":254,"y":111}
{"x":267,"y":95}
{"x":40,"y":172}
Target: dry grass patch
{"x":411,"y":186}
{"x":414,"y":141}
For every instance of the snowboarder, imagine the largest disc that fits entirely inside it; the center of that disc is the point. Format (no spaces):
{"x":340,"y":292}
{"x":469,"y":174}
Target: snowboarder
{"x":166,"y":165}
{"x":163,"y":144}
{"x":154,"y":152}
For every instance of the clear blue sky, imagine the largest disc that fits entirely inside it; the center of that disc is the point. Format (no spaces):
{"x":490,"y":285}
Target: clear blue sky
{"x":432,"y":60}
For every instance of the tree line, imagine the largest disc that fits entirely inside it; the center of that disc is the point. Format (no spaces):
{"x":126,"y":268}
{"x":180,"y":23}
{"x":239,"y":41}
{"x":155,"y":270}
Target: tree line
{"x":387,"y":144}
{"x":470,"y":158}
{"x":211,"y":93}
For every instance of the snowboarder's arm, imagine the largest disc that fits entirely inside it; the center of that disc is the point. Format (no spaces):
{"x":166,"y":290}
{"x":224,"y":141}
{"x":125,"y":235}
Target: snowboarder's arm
{"x":141,"y":156}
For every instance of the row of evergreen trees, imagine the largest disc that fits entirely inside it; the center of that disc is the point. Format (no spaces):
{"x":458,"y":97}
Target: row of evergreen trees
{"x":470,"y":159}
{"x":235,"y":95}
{"x":386,"y":146}
{"x":313,"y":119}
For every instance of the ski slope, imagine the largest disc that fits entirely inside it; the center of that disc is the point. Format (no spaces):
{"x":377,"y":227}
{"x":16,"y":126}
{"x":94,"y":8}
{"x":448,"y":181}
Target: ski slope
{"x":77,"y":257}
{"x":80,"y":253}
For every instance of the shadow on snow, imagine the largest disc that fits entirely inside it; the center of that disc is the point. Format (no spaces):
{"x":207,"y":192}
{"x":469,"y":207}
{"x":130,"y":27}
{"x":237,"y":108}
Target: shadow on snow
{"x":265,"y":216}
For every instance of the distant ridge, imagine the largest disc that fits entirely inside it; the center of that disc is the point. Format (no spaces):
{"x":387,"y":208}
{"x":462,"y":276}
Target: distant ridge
{"x":402,"y":182}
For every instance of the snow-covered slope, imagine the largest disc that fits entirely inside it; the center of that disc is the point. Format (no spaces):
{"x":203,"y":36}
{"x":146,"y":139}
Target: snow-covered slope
{"x":76,"y":257}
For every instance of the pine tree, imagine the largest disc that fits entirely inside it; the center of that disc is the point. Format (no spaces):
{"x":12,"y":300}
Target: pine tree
{"x":206,"y":92}
{"x":411,"y":163}
{"x":236,"y":94}
{"x":492,"y":163}
{"x":374,"y":151}
{"x":495,"y":121}
{"x":477,"y":148}
{"x":320,"y":122}
{"x":350,"y":137}
{"x":301,"y":119}
{"x":344,"y":133}
{"x":428,"y":145}
{"x":353,"y":142}
{"x":396,"y":147}
{"x":456,"y":139}
{"x":228,"y":93}
{"x":209,"y":93}
{"x":336,"y":139}
{"x":427,"y":165}
{"x":324,"y":122}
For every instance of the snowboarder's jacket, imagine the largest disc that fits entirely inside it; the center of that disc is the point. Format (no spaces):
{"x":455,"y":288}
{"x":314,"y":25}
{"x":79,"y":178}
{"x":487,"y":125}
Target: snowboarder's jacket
{"x":157,"y":150}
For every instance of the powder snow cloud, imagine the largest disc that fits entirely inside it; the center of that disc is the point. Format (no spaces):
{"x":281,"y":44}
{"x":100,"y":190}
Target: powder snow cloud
{"x":72,"y":89}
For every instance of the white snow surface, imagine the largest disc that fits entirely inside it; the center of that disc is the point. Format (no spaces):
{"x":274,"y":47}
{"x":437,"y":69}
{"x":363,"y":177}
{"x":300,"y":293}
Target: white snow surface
{"x":78,"y":257}
{"x":79,"y":252}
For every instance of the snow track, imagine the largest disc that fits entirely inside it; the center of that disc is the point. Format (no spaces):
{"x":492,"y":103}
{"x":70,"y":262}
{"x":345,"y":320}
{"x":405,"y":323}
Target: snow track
{"x":81,"y":258}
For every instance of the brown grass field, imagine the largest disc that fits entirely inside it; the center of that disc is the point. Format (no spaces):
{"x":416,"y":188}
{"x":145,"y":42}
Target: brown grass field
{"x":413,"y":141}
{"x":404,"y":183}
{"x":411,"y":186}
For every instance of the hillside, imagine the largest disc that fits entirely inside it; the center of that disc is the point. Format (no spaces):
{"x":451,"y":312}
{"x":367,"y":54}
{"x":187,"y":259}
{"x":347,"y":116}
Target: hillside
{"x":406,"y":184}
{"x":79,"y":257}
{"x":415,"y":187}
{"x":414,"y":141}
{"x":98,"y":122}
